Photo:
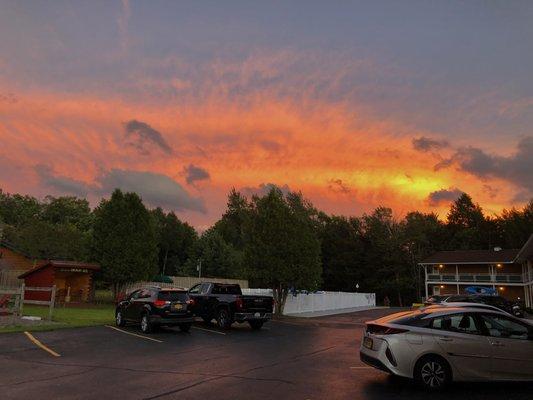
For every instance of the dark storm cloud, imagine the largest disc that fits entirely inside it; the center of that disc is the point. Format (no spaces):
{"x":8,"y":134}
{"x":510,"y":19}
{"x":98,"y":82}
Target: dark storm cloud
{"x":263,"y":189}
{"x":194,"y":174}
{"x":425,"y":144}
{"x":155,"y":189}
{"x":443,"y":196}
{"x":62,"y":184}
{"x":516,"y":168}
{"x":143,"y":134}
{"x":338,"y":186}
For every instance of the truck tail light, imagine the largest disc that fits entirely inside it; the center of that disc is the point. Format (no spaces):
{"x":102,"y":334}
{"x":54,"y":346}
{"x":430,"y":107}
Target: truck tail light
{"x":238,"y":303}
{"x":161,"y":303}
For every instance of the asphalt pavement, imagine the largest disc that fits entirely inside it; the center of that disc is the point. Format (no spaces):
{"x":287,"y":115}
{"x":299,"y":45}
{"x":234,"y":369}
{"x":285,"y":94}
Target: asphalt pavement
{"x":291,"y":359}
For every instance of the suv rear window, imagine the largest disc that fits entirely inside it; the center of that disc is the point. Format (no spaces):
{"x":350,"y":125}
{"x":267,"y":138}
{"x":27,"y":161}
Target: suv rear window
{"x":172,"y":295}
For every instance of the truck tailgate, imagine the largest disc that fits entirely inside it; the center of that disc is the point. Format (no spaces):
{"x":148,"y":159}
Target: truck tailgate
{"x":257,"y":303}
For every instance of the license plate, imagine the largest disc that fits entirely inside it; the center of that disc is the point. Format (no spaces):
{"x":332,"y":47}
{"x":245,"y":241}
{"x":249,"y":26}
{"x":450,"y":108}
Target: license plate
{"x":257,"y":315}
{"x":368,"y":343}
{"x":178,"y":306}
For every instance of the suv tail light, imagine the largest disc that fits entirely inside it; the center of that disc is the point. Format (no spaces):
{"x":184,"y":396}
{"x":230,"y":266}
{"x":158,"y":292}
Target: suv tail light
{"x":238,"y":303}
{"x":384,"y":330}
{"x":161,"y":303}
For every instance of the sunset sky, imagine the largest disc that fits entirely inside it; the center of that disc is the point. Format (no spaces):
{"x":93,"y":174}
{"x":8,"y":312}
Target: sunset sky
{"x":356,"y":104}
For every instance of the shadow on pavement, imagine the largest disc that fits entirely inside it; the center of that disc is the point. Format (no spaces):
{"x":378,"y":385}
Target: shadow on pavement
{"x":399,"y":388}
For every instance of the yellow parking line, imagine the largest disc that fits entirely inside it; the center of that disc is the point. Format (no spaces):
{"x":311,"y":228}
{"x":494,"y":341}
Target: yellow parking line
{"x":208,"y":330}
{"x":134,"y":334}
{"x":42,"y":346}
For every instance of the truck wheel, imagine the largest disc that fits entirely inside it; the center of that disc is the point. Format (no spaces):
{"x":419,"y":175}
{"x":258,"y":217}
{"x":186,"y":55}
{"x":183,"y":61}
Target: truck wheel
{"x":223,"y":319}
{"x":146,"y":325}
{"x":119,"y":318}
{"x":185,"y":327}
{"x":256,"y":325}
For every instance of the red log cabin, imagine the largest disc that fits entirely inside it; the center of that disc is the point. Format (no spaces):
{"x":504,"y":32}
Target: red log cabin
{"x":73,"y":280}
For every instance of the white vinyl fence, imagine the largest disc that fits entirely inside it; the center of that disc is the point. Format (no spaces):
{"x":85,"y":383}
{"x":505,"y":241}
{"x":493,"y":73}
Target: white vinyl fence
{"x":321,"y":301}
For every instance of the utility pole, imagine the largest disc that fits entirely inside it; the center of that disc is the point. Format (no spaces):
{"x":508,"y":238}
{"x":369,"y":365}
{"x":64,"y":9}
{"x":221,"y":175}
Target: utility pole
{"x":199,"y":268}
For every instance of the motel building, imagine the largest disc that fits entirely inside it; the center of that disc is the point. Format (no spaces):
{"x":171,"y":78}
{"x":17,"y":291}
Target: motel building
{"x":508,"y":271}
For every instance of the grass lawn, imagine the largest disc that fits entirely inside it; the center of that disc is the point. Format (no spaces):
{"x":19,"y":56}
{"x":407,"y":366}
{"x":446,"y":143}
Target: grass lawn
{"x":66,"y":317}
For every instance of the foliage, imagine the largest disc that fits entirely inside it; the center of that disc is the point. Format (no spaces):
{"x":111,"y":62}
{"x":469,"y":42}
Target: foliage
{"x":283,"y":250}
{"x":124,"y":241}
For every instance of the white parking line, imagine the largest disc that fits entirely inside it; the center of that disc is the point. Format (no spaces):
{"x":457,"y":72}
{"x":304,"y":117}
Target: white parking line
{"x":134,"y":334}
{"x":42,"y":346}
{"x":208,"y":330}
{"x":363,"y":367}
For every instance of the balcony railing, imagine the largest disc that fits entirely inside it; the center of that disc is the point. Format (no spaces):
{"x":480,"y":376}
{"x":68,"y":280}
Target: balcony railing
{"x":478,"y":278}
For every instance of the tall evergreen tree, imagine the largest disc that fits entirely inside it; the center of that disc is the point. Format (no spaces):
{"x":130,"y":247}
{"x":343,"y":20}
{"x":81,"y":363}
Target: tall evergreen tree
{"x":124,"y":240}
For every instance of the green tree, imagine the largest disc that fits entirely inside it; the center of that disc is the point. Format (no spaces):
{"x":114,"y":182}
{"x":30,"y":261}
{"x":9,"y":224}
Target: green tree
{"x":176,"y":241}
{"x":283,"y":250}
{"x":124,"y":240}
{"x":516,"y":226}
{"x":467,"y":226}
{"x":16,"y":209}
{"x":67,"y":210}
{"x":342,"y":253}
{"x":218,"y":257}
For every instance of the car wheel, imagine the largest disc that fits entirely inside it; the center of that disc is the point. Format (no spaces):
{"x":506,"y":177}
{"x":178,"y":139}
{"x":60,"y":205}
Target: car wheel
{"x":119,"y":318}
{"x":256,"y":325}
{"x":433,"y":373}
{"x":185,"y":327}
{"x":223,"y":319}
{"x":146,"y":325}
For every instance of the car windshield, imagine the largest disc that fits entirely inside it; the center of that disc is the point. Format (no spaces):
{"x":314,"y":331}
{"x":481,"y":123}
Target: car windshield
{"x":172,"y":295}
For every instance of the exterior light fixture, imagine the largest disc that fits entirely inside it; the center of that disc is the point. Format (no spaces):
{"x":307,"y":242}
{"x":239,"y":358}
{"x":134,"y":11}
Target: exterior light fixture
{"x":499,"y":265}
{"x":441,"y":266}
{"x":502,"y":288}
{"x":442,"y":286}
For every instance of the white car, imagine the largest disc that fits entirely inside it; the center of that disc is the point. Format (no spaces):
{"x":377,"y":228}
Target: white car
{"x":438,"y":345}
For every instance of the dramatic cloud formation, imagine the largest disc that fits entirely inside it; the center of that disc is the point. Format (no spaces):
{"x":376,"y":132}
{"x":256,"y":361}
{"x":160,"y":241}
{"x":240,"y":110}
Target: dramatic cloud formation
{"x":516,"y":168}
{"x":155,"y":189}
{"x":444,"y":196}
{"x":338,"y":186}
{"x":62,"y":184}
{"x":263,"y":189}
{"x":428,"y":144}
{"x":143,"y":135}
{"x":195,"y":174}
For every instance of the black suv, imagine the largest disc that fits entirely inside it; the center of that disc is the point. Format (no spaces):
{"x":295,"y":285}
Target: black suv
{"x":495,"y":301}
{"x":155,"y":306}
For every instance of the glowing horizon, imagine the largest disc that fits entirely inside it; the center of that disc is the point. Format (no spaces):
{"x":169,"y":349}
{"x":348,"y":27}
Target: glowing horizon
{"x":349,"y":126}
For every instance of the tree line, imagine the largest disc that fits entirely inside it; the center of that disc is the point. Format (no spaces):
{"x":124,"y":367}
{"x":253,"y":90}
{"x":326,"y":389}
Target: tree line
{"x":278,"y":240}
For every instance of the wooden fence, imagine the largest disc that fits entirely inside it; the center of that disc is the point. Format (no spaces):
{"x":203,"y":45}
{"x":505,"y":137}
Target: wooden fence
{"x":20,"y":298}
{"x":9,"y":278}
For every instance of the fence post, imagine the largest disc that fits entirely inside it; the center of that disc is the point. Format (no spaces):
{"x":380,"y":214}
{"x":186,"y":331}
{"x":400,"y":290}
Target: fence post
{"x":52,"y":301}
{"x":21,"y":305}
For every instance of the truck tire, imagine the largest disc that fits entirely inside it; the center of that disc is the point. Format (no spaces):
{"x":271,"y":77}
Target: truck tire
{"x":223,"y":318}
{"x":256,"y":325}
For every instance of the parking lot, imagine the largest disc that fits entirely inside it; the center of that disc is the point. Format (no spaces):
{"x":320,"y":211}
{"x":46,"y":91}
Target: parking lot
{"x":290,"y":359}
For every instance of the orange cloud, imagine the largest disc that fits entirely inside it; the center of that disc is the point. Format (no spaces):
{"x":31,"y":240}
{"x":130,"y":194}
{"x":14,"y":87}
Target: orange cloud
{"x":306,"y":145}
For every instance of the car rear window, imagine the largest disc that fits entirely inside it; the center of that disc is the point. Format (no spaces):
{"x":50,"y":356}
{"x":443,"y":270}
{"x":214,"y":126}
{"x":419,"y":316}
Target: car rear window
{"x":417,"y":320}
{"x":172,"y":295}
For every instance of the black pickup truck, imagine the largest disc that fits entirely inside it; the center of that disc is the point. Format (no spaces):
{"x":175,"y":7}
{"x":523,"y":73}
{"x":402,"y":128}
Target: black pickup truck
{"x":227,"y":304}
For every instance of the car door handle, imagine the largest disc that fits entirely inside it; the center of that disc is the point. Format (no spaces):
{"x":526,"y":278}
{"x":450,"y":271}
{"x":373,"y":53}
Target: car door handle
{"x":445,"y":339}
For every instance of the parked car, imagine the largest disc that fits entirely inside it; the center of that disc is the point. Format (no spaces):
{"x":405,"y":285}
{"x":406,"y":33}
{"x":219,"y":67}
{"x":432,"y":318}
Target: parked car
{"x":437,"y":345}
{"x":471,"y":305}
{"x":436,"y":299}
{"x":227,"y":304}
{"x":495,"y":301}
{"x":154,"y":306}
